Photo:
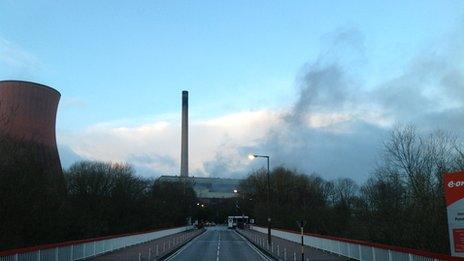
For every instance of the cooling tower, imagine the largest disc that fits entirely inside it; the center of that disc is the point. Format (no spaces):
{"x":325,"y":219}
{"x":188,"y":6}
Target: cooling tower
{"x":28,"y":114}
{"x":184,"y":142}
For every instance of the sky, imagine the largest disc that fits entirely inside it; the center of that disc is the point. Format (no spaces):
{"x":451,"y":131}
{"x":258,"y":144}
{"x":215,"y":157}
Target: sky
{"x":317,"y":85}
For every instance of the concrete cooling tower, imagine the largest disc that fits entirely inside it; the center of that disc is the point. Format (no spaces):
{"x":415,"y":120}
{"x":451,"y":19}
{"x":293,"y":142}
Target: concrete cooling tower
{"x":28,"y":114}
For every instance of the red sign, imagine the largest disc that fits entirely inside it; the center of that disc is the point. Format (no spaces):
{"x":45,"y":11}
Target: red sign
{"x":454,"y":194}
{"x":458,"y":235}
{"x":454,"y":187}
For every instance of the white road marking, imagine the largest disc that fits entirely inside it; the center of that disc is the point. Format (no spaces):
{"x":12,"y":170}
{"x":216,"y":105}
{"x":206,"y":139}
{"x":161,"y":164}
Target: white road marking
{"x":222,"y":240}
{"x":218,"y":246}
{"x":184,"y":247}
{"x":254,"y":248}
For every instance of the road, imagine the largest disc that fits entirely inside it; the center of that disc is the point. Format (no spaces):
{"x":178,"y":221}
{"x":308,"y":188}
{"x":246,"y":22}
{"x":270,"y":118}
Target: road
{"x":218,"y":244}
{"x":150,"y":250}
{"x":287,"y":250}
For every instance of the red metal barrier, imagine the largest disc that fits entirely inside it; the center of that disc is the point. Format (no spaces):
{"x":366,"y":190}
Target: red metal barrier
{"x":72,"y":242}
{"x":376,"y":245}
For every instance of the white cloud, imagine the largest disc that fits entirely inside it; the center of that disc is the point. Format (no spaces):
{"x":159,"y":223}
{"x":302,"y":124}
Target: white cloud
{"x":330,"y":121}
{"x":73,"y":102}
{"x":151,"y":144}
{"x":335,"y":127}
{"x":155,"y":145}
{"x":13,"y":56}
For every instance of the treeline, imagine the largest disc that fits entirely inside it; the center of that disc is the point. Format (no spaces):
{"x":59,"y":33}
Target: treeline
{"x":401,"y":204}
{"x":104,"y":198}
{"x":91,"y":199}
{"x":31,"y":196}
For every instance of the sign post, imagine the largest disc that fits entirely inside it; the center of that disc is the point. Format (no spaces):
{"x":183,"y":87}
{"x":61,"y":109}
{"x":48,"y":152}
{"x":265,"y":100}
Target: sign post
{"x":301,"y":224}
{"x":454,"y":195}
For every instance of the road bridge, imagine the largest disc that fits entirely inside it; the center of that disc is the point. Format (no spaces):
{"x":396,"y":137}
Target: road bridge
{"x":218,"y":244}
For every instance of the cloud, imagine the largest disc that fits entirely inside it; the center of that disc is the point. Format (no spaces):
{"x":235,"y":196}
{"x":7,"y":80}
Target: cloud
{"x":453,"y":81}
{"x":73,"y":102}
{"x":155,"y":147}
{"x":13,"y":57}
{"x":68,"y":156}
{"x":150,"y":165}
{"x":335,"y":126}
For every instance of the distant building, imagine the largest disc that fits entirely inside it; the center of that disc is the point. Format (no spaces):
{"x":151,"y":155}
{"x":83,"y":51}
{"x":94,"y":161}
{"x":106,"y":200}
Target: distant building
{"x":209,"y":188}
{"x":27,"y":115}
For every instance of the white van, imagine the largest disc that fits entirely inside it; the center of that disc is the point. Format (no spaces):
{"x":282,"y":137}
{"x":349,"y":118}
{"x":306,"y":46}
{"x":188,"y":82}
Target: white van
{"x":237,"y":221}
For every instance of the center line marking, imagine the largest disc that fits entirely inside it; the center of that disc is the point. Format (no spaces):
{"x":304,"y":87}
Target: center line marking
{"x":218,"y":246}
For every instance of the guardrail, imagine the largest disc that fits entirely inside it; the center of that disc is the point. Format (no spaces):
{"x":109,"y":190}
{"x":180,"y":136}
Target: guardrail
{"x":357,"y":249}
{"x":82,"y":249}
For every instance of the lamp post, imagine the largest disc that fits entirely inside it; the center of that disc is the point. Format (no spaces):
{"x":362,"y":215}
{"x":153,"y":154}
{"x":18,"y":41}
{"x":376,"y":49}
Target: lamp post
{"x":251,"y":157}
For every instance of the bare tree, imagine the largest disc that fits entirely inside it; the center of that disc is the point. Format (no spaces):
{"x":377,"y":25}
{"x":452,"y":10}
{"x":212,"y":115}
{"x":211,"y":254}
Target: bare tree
{"x":420,"y":161}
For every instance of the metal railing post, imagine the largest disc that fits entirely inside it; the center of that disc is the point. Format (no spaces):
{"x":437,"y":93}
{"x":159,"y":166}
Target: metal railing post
{"x":360,"y":253}
{"x":68,"y":251}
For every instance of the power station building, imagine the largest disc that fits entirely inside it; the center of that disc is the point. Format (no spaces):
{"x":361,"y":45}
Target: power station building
{"x":208,"y":188}
{"x":27,"y":115}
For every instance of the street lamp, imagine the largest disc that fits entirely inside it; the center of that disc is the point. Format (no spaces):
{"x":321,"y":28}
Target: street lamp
{"x":251,"y":157}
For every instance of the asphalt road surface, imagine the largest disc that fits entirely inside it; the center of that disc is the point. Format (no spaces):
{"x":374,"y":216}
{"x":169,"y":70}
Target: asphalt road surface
{"x":218,"y":244}
{"x":149,"y":250}
{"x":282,"y":249}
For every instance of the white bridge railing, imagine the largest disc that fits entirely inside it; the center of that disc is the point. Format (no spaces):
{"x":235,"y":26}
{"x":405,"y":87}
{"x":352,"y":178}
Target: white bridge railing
{"x":77,"y":250}
{"x":356,"y":249}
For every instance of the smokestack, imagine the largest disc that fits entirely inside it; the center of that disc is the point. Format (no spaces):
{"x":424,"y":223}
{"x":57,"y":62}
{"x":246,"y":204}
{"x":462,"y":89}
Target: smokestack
{"x":184,"y":149}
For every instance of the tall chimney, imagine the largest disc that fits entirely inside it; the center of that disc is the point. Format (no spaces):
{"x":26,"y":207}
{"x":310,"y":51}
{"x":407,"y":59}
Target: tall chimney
{"x":184,"y":149}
